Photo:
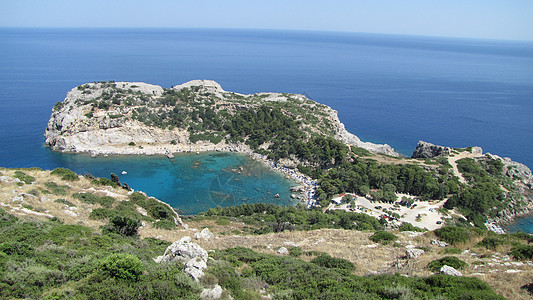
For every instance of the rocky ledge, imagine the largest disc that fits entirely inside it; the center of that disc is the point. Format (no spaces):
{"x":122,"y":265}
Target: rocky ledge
{"x":140,"y":118}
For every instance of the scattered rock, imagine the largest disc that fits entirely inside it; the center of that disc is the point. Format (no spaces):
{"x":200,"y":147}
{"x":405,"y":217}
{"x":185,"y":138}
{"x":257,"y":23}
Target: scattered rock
{"x":204,"y":234}
{"x":439,"y":243}
{"x":290,"y":244}
{"x":214,"y":293}
{"x":71,"y":213}
{"x":414,"y":253}
{"x":447,"y":270}
{"x":283,"y":251}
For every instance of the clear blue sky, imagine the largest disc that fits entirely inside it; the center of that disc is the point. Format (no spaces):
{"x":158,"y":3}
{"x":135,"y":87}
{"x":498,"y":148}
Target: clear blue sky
{"x":493,"y":19}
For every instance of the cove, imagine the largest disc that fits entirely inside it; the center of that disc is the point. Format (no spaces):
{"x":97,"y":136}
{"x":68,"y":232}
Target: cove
{"x":190,"y":182}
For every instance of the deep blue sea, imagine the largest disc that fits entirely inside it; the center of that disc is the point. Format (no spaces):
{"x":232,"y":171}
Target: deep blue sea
{"x":387,"y":88}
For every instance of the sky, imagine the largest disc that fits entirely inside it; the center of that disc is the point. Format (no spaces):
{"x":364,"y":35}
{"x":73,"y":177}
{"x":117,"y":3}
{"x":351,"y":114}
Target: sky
{"x":485,"y":19}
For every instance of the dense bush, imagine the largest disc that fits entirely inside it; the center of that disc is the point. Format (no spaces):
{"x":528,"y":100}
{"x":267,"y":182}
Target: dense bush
{"x":123,"y":266}
{"x":450,"y":261}
{"x":56,"y":189}
{"x":124,"y":226}
{"x":492,"y":242}
{"x":383,"y":237}
{"x":24,"y":177}
{"x":327,"y":261}
{"x":410,"y":227}
{"x":65,"y":174}
{"x":522,"y":252}
{"x":89,"y":198}
{"x":455,"y":235}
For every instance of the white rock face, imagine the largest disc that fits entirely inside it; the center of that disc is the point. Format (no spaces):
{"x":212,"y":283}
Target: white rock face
{"x":414,"y":253}
{"x":214,"y":293}
{"x":447,"y":270}
{"x":79,"y":125}
{"x":191,"y":254}
{"x":183,"y":250}
{"x":205,"y":234}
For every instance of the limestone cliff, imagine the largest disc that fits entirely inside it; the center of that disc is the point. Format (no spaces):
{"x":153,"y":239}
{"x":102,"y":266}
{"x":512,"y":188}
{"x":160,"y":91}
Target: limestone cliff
{"x":140,"y":118}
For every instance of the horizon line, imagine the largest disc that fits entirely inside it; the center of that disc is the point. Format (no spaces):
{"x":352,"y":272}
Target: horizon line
{"x":265,"y":29}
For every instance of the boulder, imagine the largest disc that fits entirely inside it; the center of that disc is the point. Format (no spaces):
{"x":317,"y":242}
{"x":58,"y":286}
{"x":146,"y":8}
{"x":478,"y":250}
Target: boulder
{"x":447,"y":270}
{"x":428,"y":150}
{"x":204,"y":234}
{"x":182,"y":250}
{"x":214,"y":293}
{"x":283,"y":251}
{"x":414,"y":253}
{"x":439,"y":243}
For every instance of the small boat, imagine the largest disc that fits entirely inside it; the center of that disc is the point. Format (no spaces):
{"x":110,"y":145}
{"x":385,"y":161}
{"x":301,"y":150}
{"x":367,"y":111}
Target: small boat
{"x":124,"y":172}
{"x":276,"y":195}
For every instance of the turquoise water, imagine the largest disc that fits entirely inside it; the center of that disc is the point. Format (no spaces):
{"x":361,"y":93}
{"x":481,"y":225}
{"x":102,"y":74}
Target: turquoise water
{"x":191,"y":182}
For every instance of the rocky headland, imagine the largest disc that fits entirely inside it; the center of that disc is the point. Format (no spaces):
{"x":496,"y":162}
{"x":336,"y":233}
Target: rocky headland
{"x":139,"y":118}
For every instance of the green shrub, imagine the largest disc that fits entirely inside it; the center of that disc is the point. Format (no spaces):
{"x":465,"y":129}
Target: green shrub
{"x":123,"y":225}
{"x":165,"y":224}
{"x":65,"y":174}
{"x":451,"y":261}
{"x":56,"y":189}
{"x":410,"y":227}
{"x":383,"y":237}
{"x":522,"y":252}
{"x":327,"y":261}
{"x":123,"y":266}
{"x":452,"y":250}
{"x":295,"y":251}
{"x":65,"y":202}
{"x":492,"y":242}
{"x":106,"y":201}
{"x":103,"y":213}
{"x":131,"y":144}
{"x":453,"y":234}
{"x":104,"y":181}
{"x":24,"y":177}
{"x":86,"y":197}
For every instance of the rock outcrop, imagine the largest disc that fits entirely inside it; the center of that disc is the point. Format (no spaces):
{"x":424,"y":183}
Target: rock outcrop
{"x":428,"y":150}
{"x":117,"y":118}
{"x":447,"y":270}
{"x":205,"y":234}
{"x":191,"y":254}
{"x":413,"y":253}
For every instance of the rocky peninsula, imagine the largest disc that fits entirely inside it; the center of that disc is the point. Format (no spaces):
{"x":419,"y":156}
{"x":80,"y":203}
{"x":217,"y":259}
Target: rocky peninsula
{"x":139,"y":118}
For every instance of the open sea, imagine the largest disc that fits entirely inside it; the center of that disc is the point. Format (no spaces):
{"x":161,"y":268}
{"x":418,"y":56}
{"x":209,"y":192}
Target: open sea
{"x":387,"y":88}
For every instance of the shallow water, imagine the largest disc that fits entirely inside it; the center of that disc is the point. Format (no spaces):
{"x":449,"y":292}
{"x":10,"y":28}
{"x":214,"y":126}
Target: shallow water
{"x":191,"y":182}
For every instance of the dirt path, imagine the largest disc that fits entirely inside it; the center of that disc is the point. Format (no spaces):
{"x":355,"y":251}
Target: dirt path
{"x":453,"y":161}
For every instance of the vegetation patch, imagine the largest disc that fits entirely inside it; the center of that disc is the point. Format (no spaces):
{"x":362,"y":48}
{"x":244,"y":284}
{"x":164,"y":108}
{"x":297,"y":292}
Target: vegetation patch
{"x":450,"y":261}
{"x":65,"y":174}
{"x":383,"y":237}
